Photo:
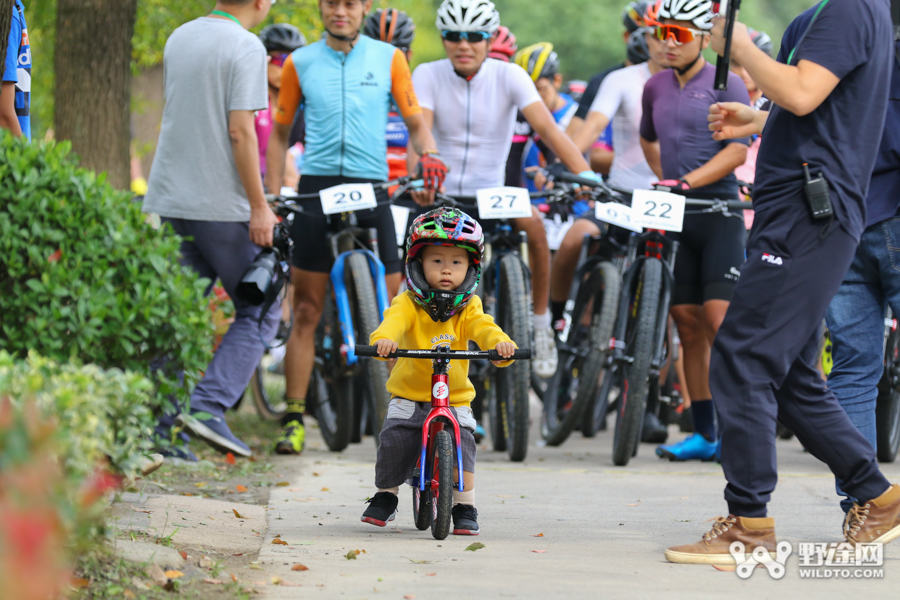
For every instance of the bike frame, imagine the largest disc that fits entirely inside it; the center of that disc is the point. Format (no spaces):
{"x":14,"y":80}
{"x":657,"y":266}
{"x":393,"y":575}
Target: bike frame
{"x":438,"y":418}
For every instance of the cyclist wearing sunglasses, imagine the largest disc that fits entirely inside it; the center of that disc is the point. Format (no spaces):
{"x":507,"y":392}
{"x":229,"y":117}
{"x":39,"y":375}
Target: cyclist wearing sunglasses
{"x":471,"y":104}
{"x":347,"y":83}
{"x":280,"y":40}
{"x":680,"y":151}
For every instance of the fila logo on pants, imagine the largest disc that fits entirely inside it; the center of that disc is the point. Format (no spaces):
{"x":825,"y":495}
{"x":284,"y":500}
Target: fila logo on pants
{"x":772,"y":259}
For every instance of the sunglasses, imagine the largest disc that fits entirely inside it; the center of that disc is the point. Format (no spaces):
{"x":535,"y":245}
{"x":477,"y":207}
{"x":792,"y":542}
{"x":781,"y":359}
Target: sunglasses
{"x":469,"y":36}
{"x":278,"y":59}
{"x":681,"y":35}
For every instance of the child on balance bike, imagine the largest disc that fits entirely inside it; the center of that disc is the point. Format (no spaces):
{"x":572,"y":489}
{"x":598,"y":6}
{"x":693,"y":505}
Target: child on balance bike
{"x":440,"y":308}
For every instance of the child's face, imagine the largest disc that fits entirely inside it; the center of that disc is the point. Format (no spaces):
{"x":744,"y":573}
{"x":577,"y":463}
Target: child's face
{"x":445,"y":267}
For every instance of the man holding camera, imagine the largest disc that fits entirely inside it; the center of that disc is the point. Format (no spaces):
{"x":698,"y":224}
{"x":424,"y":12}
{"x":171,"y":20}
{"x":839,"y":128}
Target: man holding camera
{"x":206,"y":184}
{"x":812,"y":176}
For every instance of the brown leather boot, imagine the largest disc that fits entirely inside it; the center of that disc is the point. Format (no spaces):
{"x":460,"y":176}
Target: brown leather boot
{"x":878,"y":520}
{"x":713,"y":548}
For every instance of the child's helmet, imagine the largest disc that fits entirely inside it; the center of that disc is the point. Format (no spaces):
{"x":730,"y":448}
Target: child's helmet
{"x":443,"y":227}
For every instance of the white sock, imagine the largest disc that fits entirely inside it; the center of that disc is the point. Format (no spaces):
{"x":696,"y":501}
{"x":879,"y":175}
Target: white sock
{"x":542,"y":321}
{"x":394,"y":490}
{"x":464,"y":497}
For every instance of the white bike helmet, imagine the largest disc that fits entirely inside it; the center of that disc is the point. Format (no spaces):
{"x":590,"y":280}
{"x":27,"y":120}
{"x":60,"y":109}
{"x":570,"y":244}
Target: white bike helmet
{"x":698,"y":12}
{"x":468,"y":15}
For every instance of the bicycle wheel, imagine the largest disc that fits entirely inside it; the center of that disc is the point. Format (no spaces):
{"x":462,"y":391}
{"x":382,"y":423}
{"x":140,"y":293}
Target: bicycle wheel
{"x":267,"y":385}
{"x":610,"y":387}
{"x":639,"y":337}
{"x":331,"y":386}
{"x":367,"y":320}
{"x":887,"y":409}
{"x":442,"y":474}
{"x":514,"y":382}
{"x":575,"y":383}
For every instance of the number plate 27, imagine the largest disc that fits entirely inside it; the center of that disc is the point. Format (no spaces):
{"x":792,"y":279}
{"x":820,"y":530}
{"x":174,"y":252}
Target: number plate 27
{"x":348,"y":198}
{"x":503,"y":203}
{"x":658,"y":210}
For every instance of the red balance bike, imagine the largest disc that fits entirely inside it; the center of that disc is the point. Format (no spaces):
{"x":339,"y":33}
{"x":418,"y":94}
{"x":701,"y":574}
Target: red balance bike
{"x":432,"y":481}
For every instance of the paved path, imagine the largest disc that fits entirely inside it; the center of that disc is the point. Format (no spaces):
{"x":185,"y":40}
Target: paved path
{"x":604,"y":529}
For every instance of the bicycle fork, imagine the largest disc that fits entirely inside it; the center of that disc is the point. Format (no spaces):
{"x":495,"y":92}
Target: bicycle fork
{"x":437,"y":419}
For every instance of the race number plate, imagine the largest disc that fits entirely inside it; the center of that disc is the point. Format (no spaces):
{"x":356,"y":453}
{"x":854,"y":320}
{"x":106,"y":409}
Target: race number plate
{"x":658,"y":210}
{"x":347,"y":198}
{"x":617,"y":214}
{"x":503,"y":203}
{"x":401,"y":218}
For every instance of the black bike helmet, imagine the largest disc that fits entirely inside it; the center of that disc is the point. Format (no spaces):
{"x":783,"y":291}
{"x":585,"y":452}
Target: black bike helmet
{"x":392,"y":26}
{"x":633,"y":14}
{"x":281,"y":37}
{"x":762,"y":40}
{"x":637,"y":50}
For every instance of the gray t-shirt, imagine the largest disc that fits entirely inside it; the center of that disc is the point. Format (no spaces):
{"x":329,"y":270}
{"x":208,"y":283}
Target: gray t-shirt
{"x":212,"y":67}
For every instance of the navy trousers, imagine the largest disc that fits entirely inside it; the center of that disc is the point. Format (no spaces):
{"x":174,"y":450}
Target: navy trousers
{"x":763,"y":362}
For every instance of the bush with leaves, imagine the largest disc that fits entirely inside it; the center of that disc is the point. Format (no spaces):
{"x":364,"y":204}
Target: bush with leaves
{"x":82,"y":276}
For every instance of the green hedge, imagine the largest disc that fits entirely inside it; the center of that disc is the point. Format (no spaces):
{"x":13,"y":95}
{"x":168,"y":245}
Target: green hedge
{"x":82,"y":275}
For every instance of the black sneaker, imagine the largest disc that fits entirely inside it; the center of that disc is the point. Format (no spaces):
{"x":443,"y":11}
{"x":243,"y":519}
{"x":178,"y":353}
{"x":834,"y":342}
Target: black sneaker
{"x":382,"y":509}
{"x":652,"y":431}
{"x":465,"y":520}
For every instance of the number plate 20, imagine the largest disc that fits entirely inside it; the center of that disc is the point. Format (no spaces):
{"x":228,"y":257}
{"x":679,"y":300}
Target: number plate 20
{"x":348,"y":198}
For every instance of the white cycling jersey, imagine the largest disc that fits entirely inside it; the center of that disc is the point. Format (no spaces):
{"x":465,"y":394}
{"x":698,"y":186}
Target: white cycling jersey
{"x":474,"y":119}
{"x":619,"y":99}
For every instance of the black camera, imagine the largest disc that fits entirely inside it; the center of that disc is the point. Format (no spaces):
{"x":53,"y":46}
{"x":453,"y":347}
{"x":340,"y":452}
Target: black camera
{"x":269,"y":270}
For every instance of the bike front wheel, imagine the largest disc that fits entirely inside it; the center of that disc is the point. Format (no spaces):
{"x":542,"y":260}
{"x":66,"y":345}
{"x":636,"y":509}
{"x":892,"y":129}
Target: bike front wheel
{"x":442,"y":492}
{"x":639,"y":338}
{"x":331,"y":386}
{"x":887,"y":409}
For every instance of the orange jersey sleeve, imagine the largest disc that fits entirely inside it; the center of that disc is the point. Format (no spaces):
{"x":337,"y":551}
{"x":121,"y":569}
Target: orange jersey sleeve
{"x":401,"y":86}
{"x":290,"y":95}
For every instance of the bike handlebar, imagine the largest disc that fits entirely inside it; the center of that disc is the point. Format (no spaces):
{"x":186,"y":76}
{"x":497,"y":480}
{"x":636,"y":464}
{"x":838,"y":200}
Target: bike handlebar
{"x":521,"y":354}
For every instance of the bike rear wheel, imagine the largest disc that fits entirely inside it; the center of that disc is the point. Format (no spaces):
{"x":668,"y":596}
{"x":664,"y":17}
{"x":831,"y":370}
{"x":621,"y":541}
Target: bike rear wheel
{"x":374,"y":372}
{"x":887,"y":409}
{"x":514,"y":382}
{"x":442,"y":475}
{"x":639,"y":338}
{"x":422,"y":505}
{"x":574,"y":385}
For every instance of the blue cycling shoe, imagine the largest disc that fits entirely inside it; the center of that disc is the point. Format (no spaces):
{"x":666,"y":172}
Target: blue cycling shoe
{"x":479,"y":433}
{"x":696,"y":447}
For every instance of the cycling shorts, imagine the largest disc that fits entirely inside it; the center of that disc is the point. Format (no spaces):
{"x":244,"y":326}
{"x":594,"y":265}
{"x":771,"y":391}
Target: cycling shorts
{"x":312,"y":251}
{"x":712,"y":248}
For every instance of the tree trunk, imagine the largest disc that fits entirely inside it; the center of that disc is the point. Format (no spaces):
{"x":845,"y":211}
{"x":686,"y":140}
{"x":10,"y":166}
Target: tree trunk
{"x":93,"y":82}
{"x":6,"y":10}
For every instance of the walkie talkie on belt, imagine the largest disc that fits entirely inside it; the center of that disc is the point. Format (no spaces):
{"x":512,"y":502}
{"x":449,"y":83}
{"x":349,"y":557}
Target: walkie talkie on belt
{"x":817,"y":197}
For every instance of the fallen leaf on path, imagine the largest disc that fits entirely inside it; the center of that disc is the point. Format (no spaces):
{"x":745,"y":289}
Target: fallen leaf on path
{"x":638,"y":503}
{"x":537,"y":535}
{"x":475,"y":546}
{"x":173,"y":574}
{"x":241,"y":489}
{"x":282,"y":484}
{"x":280,"y":542}
{"x":538,"y":551}
{"x":155,"y":573}
{"x":183,"y":554}
{"x":325,"y":489}
{"x":255,"y":567}
{"x":352,"y":555}
{"x":276,"y":580}
{"x":78,"y":582}
{"x":238,"y":554}
{"x":299,"y":567}
{"x":200,"y":485}
{"x":430,"y":574}
{"x":410,"y":597}
{"x":213,"y":581}
{"x":315,"y":474}
{"x":234,"y":577}
{"x":237,"y":514}
{"x":229,"y":459}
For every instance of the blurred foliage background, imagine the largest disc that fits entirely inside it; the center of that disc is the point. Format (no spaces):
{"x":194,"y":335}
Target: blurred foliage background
{"x":587,"y":34}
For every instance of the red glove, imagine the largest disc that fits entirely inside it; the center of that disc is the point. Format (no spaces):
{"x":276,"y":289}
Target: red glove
{"x":676,"y":186}
{"x":432,"y":170}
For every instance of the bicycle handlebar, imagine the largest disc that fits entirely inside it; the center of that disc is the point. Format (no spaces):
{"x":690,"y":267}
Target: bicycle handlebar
{"x":521,"y":354}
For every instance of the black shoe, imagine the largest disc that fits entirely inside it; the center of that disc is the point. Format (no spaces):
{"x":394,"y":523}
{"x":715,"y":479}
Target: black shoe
{"x":465,"y":520}
{"x":382,"y":509}
{"x":686,"y":422}
{"x":652,"y":431}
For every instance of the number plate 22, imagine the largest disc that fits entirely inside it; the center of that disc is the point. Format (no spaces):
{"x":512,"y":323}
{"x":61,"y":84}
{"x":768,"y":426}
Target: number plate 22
{"x":658,"y":210}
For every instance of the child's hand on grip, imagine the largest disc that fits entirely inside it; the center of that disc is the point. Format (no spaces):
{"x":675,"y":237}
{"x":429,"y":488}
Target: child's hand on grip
{"x":385,"y":347}
{"x":505,"y":349}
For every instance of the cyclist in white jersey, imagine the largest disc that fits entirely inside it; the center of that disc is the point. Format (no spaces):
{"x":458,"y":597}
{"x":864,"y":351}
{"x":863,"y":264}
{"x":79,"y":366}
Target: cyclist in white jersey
{"x":470,"y":103}
{"x":619,"y":100}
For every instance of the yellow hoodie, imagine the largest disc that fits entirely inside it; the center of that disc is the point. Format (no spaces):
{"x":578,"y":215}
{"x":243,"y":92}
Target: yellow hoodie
{"x":407,"y":324}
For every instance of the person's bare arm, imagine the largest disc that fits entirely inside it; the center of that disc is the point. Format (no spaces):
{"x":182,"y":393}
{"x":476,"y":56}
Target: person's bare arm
{"x":575,"y":123}
{"x":245,"y":146}
{"x":543,"y":124}
{"x":8,"y":118}
{"x":726,"y":161}
{"x":588,"y":134}
{"x":652,"y":156}
{"x":276,"y":156}
{"x":799,"y":88}
{"x":601,"y":160}
{"x":420,"y":197}
{"x":291,"y":174}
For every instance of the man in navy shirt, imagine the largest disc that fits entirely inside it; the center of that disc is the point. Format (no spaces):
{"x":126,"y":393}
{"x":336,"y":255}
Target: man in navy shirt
{"x":855,"y":317}
{"x":835,"y":62}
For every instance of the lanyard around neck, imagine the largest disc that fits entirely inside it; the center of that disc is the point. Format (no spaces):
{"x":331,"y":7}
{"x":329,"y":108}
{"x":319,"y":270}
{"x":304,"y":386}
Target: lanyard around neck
{"x":222,"y":13}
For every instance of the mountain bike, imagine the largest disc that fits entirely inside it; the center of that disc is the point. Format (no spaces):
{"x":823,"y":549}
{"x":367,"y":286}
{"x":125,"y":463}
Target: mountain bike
{"x":342,"y":387}
{"x":432,"y":481}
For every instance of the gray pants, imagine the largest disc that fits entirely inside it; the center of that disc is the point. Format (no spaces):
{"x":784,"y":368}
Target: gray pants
{"x":223,"y":250}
